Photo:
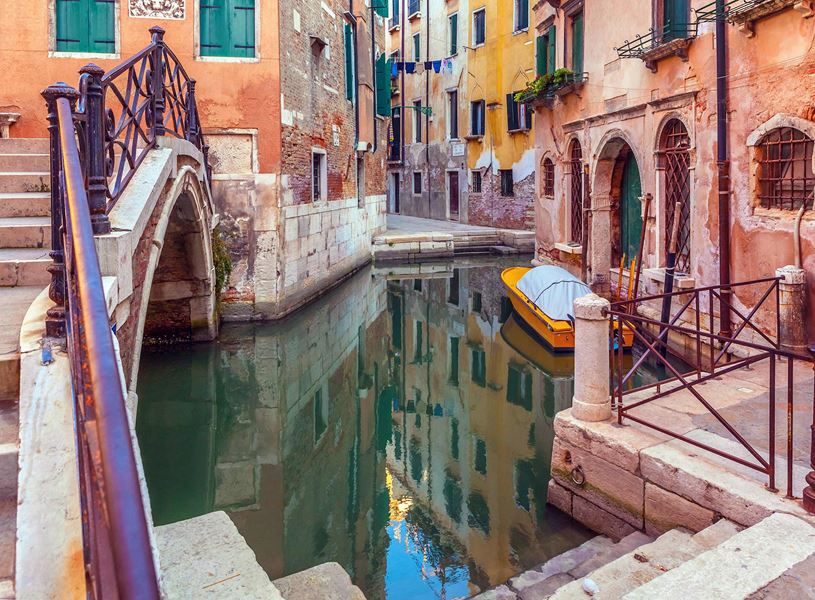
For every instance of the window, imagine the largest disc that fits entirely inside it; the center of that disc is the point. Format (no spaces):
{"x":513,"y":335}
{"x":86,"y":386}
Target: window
{"x":85,"y":26}
{"x":227,"y":28}
{"x":545,"y":52}
{"x":477,"y":302}
{"x":350,"y":80}
{"x":674,"y":154}
{"x":454,"y":438}
{"x":519,"y":117}
{"x":395,"y":6}
{"x":521,"y":15}
{"x":478,"y":367}
{"x":417,"y":283}
{"x":479,"y":512}
{"x":506,"y":310}
{"x":452,"y":33}
{"x":453,"y":286}
{"x":476,"y":182}
{"x":418,"y":342}
{"x":395,"y":141}
{"x":576,"y":34}
{"x":417,"y":183}
{"x":519,"y":387}
{"x":479,"y":27}
{"x":477,"y":110}
{"x":414,"y":6}
{"x":417,"y":47}
{"x":576,"y":189}
{"x":675,"y":19}
{"x":453,"y":497}
{"x":785,"y":169}
{"x":452,"y":115}
{"x":507,"y":184}
{"x":320,"y":415}
{"x":319,"y":177}
{"x":417,"y":121}
{"x":548,"y":175}
{"x":480,"y":456}
{"x":452,"y":368}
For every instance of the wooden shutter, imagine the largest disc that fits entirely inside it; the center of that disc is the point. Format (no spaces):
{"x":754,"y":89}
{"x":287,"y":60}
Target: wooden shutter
{"x":380,"y":7}
{"x":541,"y":50}
{"x":523,"y":17}
{"x":214,"y":28}
{"x":577,"y":43}
{"x":349,"y":62}
{"x":550,"y":63}
{"x":102,"y":34}
{"x":512,"y":113}
{"x":453,"y":34}
{"x":383,"y":86}
{"x":242,"y":28}
{"x":72,"y":26}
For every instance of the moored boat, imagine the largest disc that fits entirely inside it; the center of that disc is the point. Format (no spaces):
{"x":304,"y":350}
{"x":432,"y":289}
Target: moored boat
{"x":543,"y":297}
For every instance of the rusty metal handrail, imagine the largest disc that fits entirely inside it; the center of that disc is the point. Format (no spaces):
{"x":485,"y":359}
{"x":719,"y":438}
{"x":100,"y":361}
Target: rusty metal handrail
{"x":656,"y":343}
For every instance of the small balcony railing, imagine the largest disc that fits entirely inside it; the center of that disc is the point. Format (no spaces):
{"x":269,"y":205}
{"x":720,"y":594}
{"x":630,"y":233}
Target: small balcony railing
{"x":671,"y":40}
{"x":743,"y":13}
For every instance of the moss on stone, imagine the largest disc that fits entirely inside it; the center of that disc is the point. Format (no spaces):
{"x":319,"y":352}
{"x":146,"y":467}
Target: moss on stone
{"x":222,"y":262}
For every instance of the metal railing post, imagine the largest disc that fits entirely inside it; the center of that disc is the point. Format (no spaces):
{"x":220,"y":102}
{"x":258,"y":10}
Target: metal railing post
{"x":55,"y":316}
{"x":809,"y":491}
{"x":191,"y":128}
{"x":157,"y":87}
{"x":95,"y":159}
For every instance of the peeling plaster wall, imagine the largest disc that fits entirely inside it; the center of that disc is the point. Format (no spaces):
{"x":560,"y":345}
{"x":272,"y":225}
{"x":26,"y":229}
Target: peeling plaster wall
{"x":770,"y":74}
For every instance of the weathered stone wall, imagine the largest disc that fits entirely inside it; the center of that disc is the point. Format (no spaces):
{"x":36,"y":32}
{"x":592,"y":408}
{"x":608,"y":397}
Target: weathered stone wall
{"x":435,"y":162}
{"x":491,"y":209}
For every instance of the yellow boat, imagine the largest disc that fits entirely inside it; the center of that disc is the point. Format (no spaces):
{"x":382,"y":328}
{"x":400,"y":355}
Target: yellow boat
{"x":558,"y":333}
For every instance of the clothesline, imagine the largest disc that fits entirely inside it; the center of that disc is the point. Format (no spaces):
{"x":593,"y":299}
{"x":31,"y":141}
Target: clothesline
{"x":444,"y":65}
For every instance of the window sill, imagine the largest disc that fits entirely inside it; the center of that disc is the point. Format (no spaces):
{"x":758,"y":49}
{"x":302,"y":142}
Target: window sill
{"x":473,"y":137}
{"x":96,"y":55}
{"x":228,"y":59}
{"x":477,"y":46}
{"x":515,"y":131}
{"x":416,"y":15}
{"x":681,"y":281}
{"x":781,"y":213}
{"x":394,"y":27}
{"x":521,"y":31}
{"x":569,"y":247}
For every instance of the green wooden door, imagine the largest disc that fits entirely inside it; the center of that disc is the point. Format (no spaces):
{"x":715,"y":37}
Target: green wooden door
{"x":630,"y":210}
{"x":676,"y":18}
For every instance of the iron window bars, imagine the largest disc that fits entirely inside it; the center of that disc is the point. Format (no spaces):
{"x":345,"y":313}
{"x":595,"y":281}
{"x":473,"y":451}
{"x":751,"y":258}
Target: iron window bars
{"x":785,"y":169}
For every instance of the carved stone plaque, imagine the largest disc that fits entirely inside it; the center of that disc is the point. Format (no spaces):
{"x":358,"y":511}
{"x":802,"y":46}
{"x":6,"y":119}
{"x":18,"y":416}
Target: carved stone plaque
{"x":157,"y":9}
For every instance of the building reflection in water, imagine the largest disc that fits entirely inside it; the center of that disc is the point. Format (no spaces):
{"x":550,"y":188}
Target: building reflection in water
{"x":401,"y":427}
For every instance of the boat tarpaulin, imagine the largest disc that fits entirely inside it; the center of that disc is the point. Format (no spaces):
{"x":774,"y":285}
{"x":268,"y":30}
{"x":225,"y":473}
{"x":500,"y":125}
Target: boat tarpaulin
{"x":553,"y":290}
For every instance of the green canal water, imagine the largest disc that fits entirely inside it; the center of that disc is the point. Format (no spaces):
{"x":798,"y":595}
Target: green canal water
{"x":399,"y":426}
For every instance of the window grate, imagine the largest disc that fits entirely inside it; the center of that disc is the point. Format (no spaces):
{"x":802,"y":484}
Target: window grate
{"x":785,"y":176}
{"x":507,"y":183}
{"x":576,"y":176}
{"x":675,"y":146}
{"x":476,"y":182}
{"x":548,"y":177}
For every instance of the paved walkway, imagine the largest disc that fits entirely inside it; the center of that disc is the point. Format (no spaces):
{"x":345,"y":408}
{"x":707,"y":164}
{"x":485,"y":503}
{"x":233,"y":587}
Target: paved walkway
{"x":414,"y":239}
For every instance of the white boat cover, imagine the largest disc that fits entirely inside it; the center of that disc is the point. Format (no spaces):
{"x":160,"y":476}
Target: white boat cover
{"x":553,"y":290}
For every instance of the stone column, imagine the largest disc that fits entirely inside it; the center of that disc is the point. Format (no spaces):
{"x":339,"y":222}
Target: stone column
{"x":592,"y":400}
{"x":599,"y":251}
{"x":792,"y":307}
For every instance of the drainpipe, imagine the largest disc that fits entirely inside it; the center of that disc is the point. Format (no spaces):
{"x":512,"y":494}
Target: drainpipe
{"x":723,"y":167}
{"x":373,"y":72}
{"x":402,"y":91}
{"x":356,"y":82}
{"x":427,"y":117}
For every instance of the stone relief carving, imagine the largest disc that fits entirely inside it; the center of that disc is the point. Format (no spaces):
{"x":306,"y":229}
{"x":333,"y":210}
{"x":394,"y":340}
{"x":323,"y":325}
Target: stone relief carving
{"x":157,"y":9}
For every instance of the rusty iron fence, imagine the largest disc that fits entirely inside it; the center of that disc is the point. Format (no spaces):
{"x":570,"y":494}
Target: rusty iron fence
{"x":693,"y":321}
{"x":99,"y":135}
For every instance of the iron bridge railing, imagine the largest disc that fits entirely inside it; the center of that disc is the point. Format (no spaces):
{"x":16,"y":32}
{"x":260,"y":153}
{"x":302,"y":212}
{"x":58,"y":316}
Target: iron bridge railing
{"x":714,"y":355}
{"x":99,"y":136}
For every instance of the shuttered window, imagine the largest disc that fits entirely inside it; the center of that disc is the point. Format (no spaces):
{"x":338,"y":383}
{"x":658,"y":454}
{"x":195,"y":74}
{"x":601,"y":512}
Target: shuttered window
{"x":479,"y":27}
{"x":518,"y":115}
{"x":577,"y":43}
{"x":545,"y":52}
{"x":453,"y":34}
{"x":521,"y":15}
{"x":228,"y":28}
{"x":86,"y":26}
{"x":383,"y":86}
{"x":477,"y":117}
{"x":350,"y":80}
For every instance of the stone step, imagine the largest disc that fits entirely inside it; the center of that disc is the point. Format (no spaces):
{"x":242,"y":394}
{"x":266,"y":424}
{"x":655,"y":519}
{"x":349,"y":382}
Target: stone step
{"x":25,"y":232}
{"x":647,"y":562}
{"x":739,"y":566}
{"x":9,"y":431}
{"x":14,"y":181}
{"x":24,"y":145}
{"x":25,"y":163}
{"x":25,"y":204}
{"x":24,"y":266}
{"x":14,"y":303}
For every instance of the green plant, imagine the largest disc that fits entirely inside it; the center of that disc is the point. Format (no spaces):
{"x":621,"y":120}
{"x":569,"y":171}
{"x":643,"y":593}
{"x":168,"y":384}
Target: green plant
{"x":222,"y":263}
{"x":544,"y":85}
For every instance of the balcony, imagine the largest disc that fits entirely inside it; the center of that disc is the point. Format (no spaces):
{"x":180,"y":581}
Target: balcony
{"x":656,"y":45}
{"x":744,"y":13}
{"x":541,"y":92}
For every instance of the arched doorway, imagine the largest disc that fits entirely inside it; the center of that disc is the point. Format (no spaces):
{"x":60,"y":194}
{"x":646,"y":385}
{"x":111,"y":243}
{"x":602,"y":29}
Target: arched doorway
{"x":630,"y":212}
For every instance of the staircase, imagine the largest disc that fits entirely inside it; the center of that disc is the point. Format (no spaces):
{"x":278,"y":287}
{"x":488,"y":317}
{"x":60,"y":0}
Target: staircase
{"x":25,"y":237}
{"x":773,"y":559}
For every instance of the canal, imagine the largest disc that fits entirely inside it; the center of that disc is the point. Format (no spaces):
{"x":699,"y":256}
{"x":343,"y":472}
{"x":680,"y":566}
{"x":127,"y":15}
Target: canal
{"x":401,"y":426}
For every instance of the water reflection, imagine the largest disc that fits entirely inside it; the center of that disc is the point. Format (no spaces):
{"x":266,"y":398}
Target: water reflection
{"x":401,"y":426}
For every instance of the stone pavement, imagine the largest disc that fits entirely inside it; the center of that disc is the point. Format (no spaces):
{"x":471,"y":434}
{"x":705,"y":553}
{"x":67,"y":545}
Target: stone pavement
{"x":416,"y":239}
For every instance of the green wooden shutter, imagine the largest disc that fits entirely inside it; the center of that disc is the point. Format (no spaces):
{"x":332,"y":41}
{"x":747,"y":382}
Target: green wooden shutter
{"x":512,"y":113}
{"x":383,"y":86}
{"x":523,"y":18}
{"x":380,"y":7}
{"x":214,"y":28}
{"x":71,"y":25}
{"x":349,"y":63}
{"x":102,"y":35}
{"x":577,"y":43}
{"x":242,"y":28}
{"x":541,"y":48}
{"x":453,"y":34}
{"x":550,"y":63}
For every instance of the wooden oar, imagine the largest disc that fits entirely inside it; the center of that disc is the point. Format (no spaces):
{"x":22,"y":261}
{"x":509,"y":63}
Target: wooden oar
{"x":670,"y":264}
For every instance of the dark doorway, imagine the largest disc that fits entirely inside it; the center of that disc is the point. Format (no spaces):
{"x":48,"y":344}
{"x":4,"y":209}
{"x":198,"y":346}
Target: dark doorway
{"x":452,"y":177}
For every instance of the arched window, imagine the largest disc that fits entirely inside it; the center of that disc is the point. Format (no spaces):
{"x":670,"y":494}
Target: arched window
{"x":785,"y":169}
{"x":674,"y":147}
{"x":576,"y":188}
{"x":548,"y":175}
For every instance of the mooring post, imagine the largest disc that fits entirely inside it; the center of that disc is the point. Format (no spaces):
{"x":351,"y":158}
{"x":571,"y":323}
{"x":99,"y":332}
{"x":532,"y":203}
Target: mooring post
{"x":592,"y":401}
{"x":792,"y":308}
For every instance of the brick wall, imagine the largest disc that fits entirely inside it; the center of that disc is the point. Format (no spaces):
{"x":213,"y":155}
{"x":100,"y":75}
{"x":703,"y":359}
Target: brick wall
{"x":491,"y":209}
